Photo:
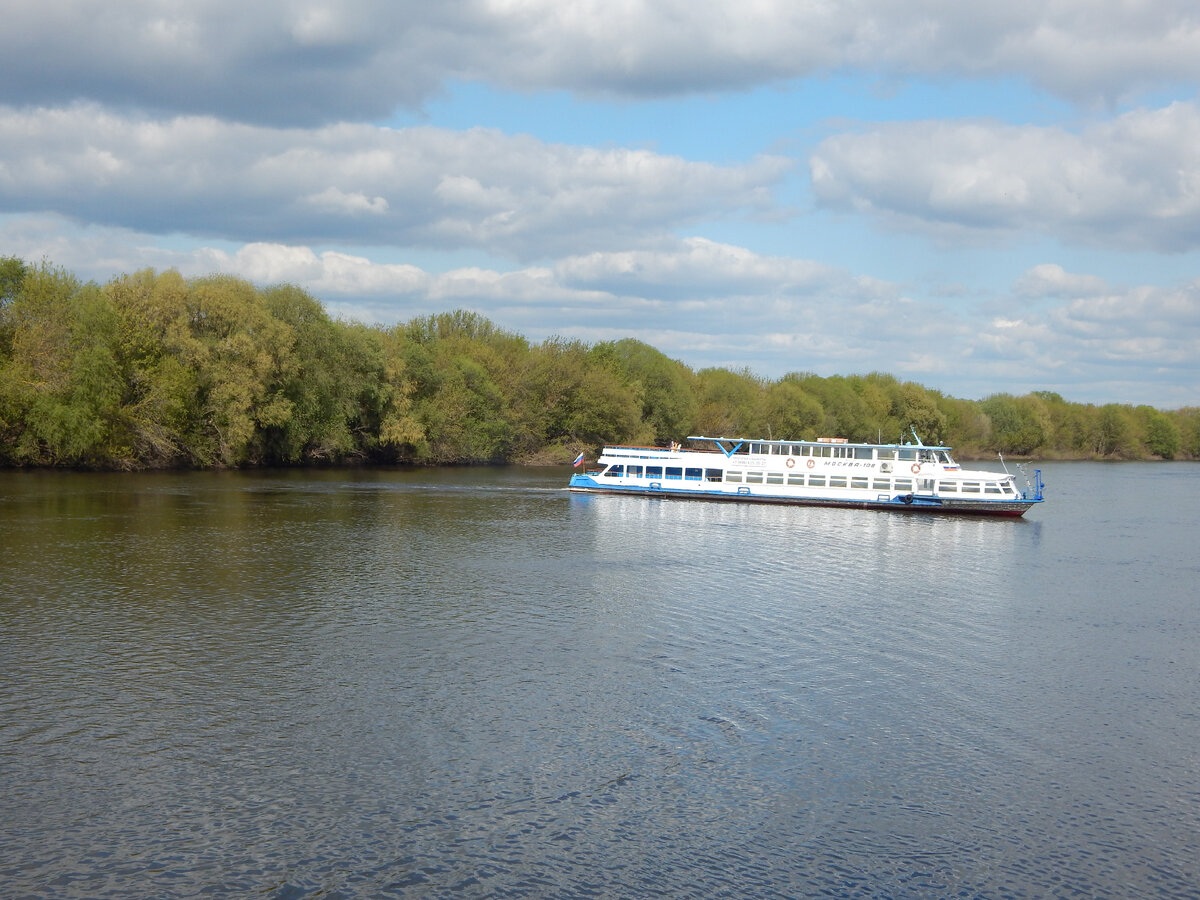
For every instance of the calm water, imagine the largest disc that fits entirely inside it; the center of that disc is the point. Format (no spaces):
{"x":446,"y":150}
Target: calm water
{"x":472,"y":683}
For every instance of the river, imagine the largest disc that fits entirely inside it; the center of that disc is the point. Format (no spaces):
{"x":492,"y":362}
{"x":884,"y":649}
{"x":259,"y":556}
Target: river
{"x":470,"y":683}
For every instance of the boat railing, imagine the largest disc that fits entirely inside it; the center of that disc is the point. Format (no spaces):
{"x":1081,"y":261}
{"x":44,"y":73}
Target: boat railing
{"x":1033,"y":489}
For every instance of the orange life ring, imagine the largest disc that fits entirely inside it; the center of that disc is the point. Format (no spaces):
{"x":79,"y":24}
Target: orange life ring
{"x":811,"y":463}
{"x":916,"y":468}
{"x":790,"y":462}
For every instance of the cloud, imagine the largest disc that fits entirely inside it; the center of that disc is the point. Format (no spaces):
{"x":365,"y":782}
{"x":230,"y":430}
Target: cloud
{"x":1051,"y":280}
{"x":306,"y":64}
{"x":422,"y":187}
{"x":1129,"y":183}
{"x":695,"y":268}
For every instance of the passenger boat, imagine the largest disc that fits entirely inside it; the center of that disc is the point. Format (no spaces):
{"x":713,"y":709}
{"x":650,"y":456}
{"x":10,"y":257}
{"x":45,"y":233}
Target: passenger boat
{"x":911,"y":477}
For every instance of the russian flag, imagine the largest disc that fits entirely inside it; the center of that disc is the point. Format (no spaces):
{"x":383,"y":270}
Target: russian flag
{"x":578,"y":460}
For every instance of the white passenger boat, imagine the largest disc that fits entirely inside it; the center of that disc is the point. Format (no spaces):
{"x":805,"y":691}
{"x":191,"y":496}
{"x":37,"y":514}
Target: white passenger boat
{"x":824,"y":472}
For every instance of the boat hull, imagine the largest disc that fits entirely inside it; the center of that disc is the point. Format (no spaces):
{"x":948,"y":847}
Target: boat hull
{"x":907,"y":503}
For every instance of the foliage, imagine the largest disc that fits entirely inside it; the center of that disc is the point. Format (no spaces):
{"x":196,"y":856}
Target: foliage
{"x":154,"y":370}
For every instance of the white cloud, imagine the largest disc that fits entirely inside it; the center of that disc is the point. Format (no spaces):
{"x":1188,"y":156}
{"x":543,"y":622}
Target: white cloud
{"x":414,"y":187}
{"x":1131,"y":183}
{"x":1051,"y":280}
{"x":310,"y":63}
{"x":338,"y":202}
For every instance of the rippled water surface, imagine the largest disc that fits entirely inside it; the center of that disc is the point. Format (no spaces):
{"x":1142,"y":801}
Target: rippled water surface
{"x":472,"y":683}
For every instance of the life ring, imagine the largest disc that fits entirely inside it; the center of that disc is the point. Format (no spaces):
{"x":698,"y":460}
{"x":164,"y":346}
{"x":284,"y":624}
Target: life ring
{"x":811,"y":463}
{"x":916,"y":469}
{"x":790,"y":462}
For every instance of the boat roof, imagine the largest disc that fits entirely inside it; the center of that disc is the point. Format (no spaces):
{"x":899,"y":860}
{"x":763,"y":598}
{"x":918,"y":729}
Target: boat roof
{"x":819,"y":442}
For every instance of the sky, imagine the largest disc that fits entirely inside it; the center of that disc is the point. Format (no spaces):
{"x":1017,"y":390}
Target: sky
{"x":983,"y":199}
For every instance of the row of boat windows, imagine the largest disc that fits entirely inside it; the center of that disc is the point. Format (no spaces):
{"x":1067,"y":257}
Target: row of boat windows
{"x":837,"y":451}
{"x":800,"y":479}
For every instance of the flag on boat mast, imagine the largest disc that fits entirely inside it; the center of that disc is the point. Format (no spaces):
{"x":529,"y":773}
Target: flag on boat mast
{"x":578,"y":460}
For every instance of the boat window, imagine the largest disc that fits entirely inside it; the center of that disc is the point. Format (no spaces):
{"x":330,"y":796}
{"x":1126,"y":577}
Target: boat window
{"x":693,"y":474}
{"x":864,"y":452}
{"x":795,"y":478}
{"x":816,"y":481}
{"x":944,"y":457}
{"x":712,"y":474}
{"x":754,"y":477}
{"x":858,"y":481}
{"x":881,"y":484}
{"x":905,"y":453}
{"x":992,"y":489}
{"x":654,"y":471}
{"x":887,"y":454}
{"x":675,"y":472}
{"x":633,"y":471}
{"x":837,"y":480}
{"x":948,"y":487}
{"x":733,"y":475}
{"x":614,"y":472}
{"x":774,"y":478}
{"x":970,"y":487}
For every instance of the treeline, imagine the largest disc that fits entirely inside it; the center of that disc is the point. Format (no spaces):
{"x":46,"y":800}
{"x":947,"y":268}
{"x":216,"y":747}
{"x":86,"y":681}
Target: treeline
{"x":153,"y":370}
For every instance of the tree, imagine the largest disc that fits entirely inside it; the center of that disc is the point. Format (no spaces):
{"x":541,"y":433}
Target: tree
{"x":665,"y":386}
{"x":846,"y":414}
{"x":63,"y":380}
{"x":12,"y":275}
{"x":730,"y":404}
{"x":456,"y":363}
{"x":331,"y":383}
{"x":1014,"y":424}
{"x":573,"y":398}
{"x":1112,"y":431}
{"x":919,"y":411}
{"x":1162,"y":436}
{"x":790,"y":411}
{"x":242,"y":356}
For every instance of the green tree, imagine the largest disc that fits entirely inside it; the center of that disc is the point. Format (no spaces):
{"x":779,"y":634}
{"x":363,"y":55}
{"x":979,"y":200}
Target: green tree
{"x":62,"y":380}
{"x":665,"y":386}
{"x":160,"y":408}
{"x":1112,"y":431}
{"x":332,"y":383}
{"x":791,"y":412}
{"x":846,"y":413}
{"x":457,"y":363}
{"x":1015,"y":425}
{"x":242,"y":357}
{"x":730,"y":404}
{"x":12,"y":275}
{"x":919,"y":411}
{"x":1188,"y":421}
{"x":1162,"y":436}
{"x":572,"y":399}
